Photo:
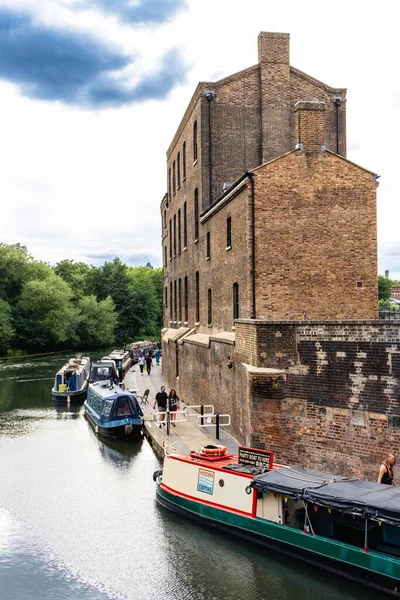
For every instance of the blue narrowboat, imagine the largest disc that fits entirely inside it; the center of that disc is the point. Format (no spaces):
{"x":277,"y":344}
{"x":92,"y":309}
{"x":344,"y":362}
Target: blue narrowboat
{"x":112,"y":411}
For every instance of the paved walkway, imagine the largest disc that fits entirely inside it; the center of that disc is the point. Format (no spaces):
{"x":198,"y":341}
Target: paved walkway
{"x":185,"y":436}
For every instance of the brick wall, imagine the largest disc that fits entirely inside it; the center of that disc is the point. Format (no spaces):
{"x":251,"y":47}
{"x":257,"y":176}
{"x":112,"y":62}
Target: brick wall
{"x":320,"y":394}
{"x":316,"y":240}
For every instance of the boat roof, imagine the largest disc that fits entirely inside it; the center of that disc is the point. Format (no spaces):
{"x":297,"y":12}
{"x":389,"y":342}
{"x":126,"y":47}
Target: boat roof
{"x":365,"y":498}
{"x":103,"y":363}
{"x":116,"y":354}
{"x":110,"y":393}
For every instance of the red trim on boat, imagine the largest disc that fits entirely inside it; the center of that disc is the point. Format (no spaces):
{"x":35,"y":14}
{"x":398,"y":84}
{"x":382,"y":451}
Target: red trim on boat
{"x":206,"y":464}
{"x":254,"y":507}
{"x":200,"y":501}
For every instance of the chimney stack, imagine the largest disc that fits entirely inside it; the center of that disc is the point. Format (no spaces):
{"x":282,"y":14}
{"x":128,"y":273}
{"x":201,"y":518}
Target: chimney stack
{"x":310,"y":125}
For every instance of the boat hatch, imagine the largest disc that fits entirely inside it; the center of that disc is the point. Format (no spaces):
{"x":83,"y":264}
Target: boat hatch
{"x":120,"y":407}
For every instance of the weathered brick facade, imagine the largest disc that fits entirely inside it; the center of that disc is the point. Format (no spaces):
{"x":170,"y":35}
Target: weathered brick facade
{"x":264,"y":280}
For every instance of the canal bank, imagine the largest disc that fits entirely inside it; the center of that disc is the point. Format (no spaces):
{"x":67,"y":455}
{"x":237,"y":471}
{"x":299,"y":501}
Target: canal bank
{"x":186,"y":435}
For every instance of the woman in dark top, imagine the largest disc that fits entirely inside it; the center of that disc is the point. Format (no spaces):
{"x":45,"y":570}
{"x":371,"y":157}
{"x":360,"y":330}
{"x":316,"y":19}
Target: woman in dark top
{"x":173,"y":405}
{"x":386,"y":470}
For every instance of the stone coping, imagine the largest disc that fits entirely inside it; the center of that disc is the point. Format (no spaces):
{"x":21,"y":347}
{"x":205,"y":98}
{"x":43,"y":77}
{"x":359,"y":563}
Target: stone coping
{"x":199,"y":339}
{"x":310,"y":323}
{"x":264,"y":371}
{"x":174,"y":334}
{"x":205,"y":339}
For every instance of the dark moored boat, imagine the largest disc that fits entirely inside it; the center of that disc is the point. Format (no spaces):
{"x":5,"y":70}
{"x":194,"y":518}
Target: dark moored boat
{"x":112,"y":411}
{"x":122,"y":359}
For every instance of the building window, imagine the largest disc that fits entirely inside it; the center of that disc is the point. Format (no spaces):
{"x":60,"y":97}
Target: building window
{"x":170,"y":301}
{"x":185,"y":225}
{"x":228,"y":232}
{"x":180,"y":300}
{"x":179,"y":232}
{"x":208,"y":245}
{"x":175,"y":301}
{"x":235,"y":300}
{"x":165,"y":217}
{"x":184,"y":161}
{"x":170,"y":238}
{"x":196,"y":214}
{"x":178,"y":167}
{"x":169,"y":184}
{"x":186,"y":293}
{"x":174,"y":235}
{"x":174,"y":178}
{"x":165,"y":256}
{"x":197,"y":297}
{"x":166,"y":297}
{"x":195,"y":141}
{"x":209,"y":312}
{"x":360,"y":284}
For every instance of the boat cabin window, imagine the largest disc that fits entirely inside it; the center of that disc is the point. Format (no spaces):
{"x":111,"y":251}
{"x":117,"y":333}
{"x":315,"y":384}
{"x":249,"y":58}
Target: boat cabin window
{"x":123,"y":407}
{"x":107,"y":407}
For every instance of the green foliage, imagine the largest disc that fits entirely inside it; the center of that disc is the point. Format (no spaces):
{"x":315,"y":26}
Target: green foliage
{"x":75,"y":274}
{"x":384,"y":288}
{"x":45,"y":312}
{"x":14,"y":270}
{"x":6,"y":328}
{"x":96,"y":322}
{"x":74,"y":304}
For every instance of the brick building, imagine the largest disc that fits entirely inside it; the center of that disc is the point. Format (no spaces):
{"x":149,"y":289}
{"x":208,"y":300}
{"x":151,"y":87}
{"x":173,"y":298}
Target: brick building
{"x":267,"y":224}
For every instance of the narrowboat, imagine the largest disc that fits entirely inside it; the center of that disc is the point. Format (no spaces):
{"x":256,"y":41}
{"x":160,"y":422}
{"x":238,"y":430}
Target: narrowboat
{"x":112,"y":411}
{"x":122,"y":360}
{"x":347,"y":526}
{"x":71,"y":381}
{"x":136,"y":348}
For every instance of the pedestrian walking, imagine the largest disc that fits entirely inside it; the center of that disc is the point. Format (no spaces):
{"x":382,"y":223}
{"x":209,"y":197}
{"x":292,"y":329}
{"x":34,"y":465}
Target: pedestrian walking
{"x":173,"y":405}
{"x":386,"y":474}
{"x":142,"y":362}
{"x":149,"y":363}
{"x":161,"y":402}
{"x":158,"y":354}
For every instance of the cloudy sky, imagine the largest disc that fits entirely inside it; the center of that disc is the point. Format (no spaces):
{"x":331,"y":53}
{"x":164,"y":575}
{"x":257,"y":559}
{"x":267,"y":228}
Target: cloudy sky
{"x":92,"y":91}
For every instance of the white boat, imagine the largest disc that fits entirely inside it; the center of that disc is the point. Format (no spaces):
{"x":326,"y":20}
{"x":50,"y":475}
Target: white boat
{"x":71,"y":381}
{"x":345,"y":525}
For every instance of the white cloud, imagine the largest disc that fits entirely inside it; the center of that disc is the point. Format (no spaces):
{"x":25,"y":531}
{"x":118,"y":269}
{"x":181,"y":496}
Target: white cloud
{"x":77,"y":183}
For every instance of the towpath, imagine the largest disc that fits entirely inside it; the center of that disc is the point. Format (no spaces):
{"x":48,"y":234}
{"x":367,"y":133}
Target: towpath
{"x":185,"y":436}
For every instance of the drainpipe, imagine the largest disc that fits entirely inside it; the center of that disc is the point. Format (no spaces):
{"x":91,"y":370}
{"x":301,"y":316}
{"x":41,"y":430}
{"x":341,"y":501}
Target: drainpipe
{"x":210,"y":95}
{"x":337,"y":100}
{"x":253,"y":248}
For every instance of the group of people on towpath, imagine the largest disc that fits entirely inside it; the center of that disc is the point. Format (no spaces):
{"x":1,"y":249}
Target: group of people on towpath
{"x":146,"y":361}
{"x":164,"y":401}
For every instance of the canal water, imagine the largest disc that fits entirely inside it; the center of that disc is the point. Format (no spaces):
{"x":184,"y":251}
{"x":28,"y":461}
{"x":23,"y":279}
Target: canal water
{"x":78,"y":518}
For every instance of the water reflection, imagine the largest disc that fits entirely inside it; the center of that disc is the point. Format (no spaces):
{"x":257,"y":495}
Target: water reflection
{"x":119,"y":453}
{"x":78,"y":518}
{"x":72,"y":411}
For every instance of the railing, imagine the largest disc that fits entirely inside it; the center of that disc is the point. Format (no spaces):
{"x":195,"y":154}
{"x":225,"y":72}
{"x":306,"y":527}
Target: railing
{"x":389,"y":314}
{"x":204,"y":419}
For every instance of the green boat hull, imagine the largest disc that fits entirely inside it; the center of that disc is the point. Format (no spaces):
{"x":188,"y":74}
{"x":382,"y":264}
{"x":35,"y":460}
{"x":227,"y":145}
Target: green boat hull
{"x":371,"y":568}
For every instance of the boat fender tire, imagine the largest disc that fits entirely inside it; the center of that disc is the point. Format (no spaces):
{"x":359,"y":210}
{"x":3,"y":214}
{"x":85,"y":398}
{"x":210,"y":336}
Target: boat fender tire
{"x":248,"y":490}
{"x":157,"y":474}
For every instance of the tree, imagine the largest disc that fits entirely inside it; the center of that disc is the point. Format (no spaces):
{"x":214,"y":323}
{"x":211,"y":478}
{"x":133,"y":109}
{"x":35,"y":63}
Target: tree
{"x":14,"y":270}
{"x":77,"y":275}
{"x":6,"y":329}
{"x":96,"y":322}
{"x":384,"y":288}
{"x":45,"y":313}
